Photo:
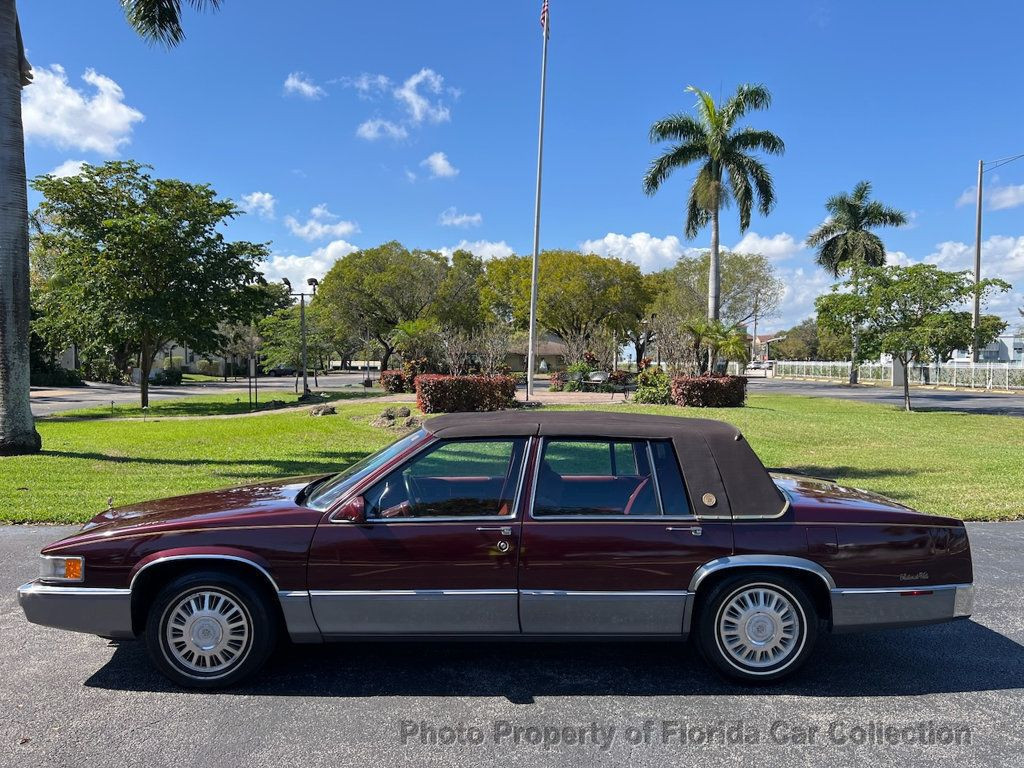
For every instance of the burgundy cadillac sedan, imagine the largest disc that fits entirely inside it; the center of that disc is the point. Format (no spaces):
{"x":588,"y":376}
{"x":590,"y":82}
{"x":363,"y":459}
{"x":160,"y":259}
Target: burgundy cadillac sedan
{"x":511,"y":525}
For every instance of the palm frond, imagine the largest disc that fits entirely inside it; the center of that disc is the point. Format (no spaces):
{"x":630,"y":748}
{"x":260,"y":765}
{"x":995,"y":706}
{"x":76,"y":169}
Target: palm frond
{"x":748,"y":139}
{"x":677,"y":157}
{"x":878,"y":215}
{"x":160,"y":20}
{"x":741,"y":192}
{"x":826,"y":231}
{"x":678,"y":127}
{"x":832,"y":255}
{"x":706,"y":106}
{"x":764,"y":187}
{"x":748,"y":98}
{"x":696,"y":217}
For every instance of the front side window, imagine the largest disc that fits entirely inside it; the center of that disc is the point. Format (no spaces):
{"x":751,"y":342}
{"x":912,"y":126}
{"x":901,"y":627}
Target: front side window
{"x":606,"y":478}
{"x":453,"y":479}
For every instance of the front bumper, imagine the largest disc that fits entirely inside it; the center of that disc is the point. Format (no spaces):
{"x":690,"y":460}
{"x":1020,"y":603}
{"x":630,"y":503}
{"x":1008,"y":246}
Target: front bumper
{"x":105,"y":612}
{"x":858,"y":609}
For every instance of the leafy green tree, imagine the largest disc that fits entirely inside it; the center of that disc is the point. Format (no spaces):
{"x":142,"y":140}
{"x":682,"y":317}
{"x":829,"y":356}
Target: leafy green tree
{"x":153,"y":19}
{"x":142,"y":260}
{"x":458,"y":302}
{"x":908,"y":312}
{"x":728,"y":171}
{"x":801,"y":342}
{"x":377,"y":289}
{"x":749,"y":287}
{"x":845,"y":242}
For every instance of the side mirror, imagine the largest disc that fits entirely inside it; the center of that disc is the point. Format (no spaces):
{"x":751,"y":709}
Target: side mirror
{"x":353,"y":510}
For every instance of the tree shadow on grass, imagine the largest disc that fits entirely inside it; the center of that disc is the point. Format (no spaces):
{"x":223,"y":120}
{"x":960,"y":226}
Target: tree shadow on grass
{"x":913,"y":662}
{"x":320,"y":462}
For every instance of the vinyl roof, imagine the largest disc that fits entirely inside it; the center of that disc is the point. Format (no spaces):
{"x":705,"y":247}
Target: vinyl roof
{"x":595,"y":423}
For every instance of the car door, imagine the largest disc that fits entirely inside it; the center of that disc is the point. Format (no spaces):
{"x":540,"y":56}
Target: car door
{"x":610,"y":543}
{"x":437,"y":553}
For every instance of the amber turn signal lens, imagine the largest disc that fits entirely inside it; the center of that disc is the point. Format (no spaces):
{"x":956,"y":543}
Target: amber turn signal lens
{"x":73,"y":568}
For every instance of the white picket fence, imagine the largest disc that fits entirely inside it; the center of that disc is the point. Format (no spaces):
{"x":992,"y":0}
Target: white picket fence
{"x":967,"y":375}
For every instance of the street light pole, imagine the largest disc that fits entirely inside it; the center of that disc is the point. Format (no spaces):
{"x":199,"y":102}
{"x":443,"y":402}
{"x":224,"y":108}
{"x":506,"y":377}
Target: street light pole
{"x":302,"y":325}
{"x":976,"y":316}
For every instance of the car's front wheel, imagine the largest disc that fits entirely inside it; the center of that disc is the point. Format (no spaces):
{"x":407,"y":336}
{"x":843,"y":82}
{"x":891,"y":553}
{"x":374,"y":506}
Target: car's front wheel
{"x":209,"y":630}
{"x":757,"y":627}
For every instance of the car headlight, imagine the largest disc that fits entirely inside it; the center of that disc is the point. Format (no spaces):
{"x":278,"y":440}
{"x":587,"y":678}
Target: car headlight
{"x":61,"y":568}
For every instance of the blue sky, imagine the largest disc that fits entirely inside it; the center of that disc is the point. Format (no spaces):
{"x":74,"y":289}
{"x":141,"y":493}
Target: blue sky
{"x":365,"y":122}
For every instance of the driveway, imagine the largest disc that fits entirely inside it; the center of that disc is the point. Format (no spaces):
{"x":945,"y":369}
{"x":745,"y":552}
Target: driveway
{"x":72,"y":699}
{"x":1005,"y":404}
{"x":46,"y":400}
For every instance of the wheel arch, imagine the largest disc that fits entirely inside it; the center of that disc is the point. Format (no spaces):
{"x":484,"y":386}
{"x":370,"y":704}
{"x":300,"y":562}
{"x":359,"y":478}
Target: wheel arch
{"x":816,"y":581}
{"x":152,"y":573}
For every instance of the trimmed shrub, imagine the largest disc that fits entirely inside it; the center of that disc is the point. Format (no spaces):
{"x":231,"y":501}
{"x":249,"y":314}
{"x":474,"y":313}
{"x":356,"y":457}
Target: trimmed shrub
{"x":653,"y":387}
{"x":436,"y":393}
{"x":207,"y":367}
{"x":393,"y":381}
{"x":556,"y":382}
{"x":56,"y":377}
{"x":167,"y":377}
{"x":709,"y":391}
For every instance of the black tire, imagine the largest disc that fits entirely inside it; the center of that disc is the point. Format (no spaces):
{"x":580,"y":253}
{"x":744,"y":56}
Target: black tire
{"x":727,"y":634}
{"x":234,"y":630}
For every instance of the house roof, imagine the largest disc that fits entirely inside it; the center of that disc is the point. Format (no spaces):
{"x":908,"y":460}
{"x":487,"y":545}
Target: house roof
{"x":715,"y":457}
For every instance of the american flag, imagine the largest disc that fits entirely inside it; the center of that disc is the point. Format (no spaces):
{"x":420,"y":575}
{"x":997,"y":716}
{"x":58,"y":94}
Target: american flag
{"x":544,"y":22}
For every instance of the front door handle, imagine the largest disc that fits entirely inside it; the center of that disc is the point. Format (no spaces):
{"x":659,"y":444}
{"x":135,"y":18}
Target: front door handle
{"x":696,"y":530}
{"x":504,"y":530}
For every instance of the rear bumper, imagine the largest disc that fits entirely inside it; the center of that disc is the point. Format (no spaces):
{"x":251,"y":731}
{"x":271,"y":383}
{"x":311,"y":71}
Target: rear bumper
{"x":105,"y":612}
{"x":858,"y":609}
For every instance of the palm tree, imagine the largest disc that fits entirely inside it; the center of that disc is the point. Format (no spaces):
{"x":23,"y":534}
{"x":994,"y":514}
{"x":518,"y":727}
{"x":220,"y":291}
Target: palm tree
{"x":845,"y":242}
{"x":156,"y":20}
{"x":728,"y":172}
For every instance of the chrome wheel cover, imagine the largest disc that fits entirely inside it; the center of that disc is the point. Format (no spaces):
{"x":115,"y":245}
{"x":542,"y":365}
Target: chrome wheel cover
{"x":760,"y":627}
{"x":207,"y":632}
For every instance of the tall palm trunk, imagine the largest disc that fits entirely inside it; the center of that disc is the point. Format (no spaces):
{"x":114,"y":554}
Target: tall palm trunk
{"x":855,"y":330}
{"x":17,"y":429}
{"x":714,"y":278}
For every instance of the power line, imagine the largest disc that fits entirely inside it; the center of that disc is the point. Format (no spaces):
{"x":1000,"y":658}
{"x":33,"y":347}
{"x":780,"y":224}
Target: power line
{"x":993,"y":164}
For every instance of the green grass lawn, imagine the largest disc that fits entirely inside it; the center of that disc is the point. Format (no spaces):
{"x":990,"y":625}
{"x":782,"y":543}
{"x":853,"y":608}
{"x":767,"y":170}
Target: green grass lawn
{"x":204,"y":405}
{"x":957,"y":464}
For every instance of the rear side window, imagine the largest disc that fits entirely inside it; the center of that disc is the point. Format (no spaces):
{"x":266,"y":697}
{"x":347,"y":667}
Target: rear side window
{"x":670,"y":479}
{"x":595,"y":478}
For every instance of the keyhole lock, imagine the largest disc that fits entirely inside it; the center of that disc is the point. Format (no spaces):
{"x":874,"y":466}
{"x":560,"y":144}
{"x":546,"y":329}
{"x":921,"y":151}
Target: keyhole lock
{"x":502,"y":546}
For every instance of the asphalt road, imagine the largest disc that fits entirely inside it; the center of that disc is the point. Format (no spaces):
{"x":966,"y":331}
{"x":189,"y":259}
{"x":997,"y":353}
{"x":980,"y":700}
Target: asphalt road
{"x":72,"y":699}
{"x":921,"y":399}
{"x":47,"y":400}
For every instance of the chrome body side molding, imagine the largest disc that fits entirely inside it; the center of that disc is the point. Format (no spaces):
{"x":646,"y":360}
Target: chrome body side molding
{"x":761,"y":561}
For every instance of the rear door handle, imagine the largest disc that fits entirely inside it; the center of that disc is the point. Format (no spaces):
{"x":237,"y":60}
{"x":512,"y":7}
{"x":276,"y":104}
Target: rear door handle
{"x":504,"y":530}
{"x":696,"y":530}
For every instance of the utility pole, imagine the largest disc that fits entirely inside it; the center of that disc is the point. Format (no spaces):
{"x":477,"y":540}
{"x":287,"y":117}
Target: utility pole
{"x":976,"y":316}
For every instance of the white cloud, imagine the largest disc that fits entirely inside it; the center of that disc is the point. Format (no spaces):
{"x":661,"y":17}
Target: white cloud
{"x":55,"y":112}
{"x":374,"y":129}
{"x":68,"y":168}
{"x":998,"y":197}
{"x":321,"y":225}
{"x":777,"y":247}
{"x":801,"y":286}
{"x":422,"y":108}
{"x":439,"y":166}
{"x":299,"y":268}
{"x":260,"y":203}
{"x":450,"y":217}
{"x":410,"y":176}
{"x":299,"y":84}
{"x":485,"y":249}
{"x":367,"y":85}
{"x":643,"y":249}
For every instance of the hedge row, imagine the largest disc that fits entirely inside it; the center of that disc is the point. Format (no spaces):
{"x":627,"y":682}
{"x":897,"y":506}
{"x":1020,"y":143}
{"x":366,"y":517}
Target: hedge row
{"x":393,"y":381}
{"x":709,"y":391}
{"x":436,"y":393}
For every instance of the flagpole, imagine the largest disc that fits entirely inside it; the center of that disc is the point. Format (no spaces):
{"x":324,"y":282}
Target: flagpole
{"x":531,"y":353}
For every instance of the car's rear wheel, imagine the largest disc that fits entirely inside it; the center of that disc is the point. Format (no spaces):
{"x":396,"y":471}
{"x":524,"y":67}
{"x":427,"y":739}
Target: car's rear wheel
{"x":757,"y":627}
{"x":209,"y":630}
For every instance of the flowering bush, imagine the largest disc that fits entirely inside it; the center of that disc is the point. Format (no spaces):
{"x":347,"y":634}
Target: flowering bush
{"x":652,"y":386}
{"x":709,"y":391}
{"x":450,"y":394}
{"x":393,"y":381}
{"x":556,"y":382}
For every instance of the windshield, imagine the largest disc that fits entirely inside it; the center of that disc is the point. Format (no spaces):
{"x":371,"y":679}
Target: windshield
{"x":329,"y":491}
